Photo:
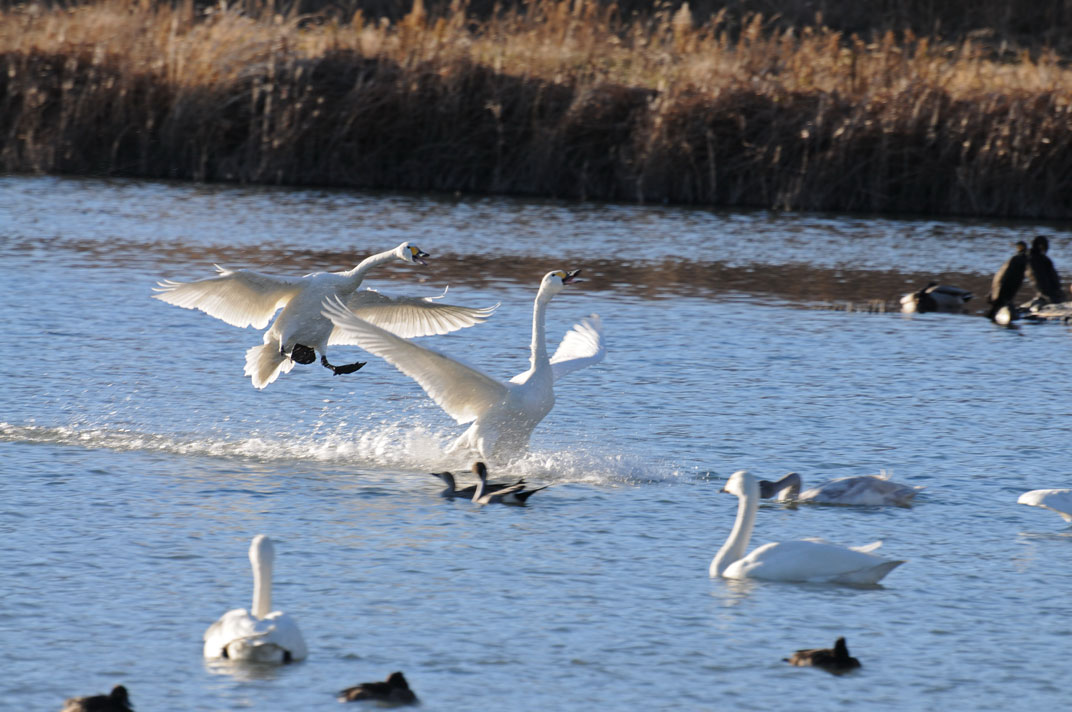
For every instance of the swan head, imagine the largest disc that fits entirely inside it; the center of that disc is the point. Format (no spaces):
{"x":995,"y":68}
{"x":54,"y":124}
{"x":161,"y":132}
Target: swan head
{"x":262,"y":552}
{"x":553,"y":282}
{"x":411,"y":254}
{"x":742,"y":484}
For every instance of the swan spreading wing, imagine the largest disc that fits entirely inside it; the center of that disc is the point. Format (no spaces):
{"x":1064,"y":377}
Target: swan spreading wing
{"x":409,"y":317}
{"x":461,"y":390}
{"x":239,"y":297}
{"x":582,"y":347}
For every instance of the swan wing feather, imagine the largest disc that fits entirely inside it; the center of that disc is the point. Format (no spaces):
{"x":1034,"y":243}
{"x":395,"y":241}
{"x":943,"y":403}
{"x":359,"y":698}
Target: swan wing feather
{"x":811,"y":561}
{"x":239,"y":297}
{"x":582,"y":346}
{"x":461,"y":390}
{"x":410,"y":317}
{"x":1057,"y":500}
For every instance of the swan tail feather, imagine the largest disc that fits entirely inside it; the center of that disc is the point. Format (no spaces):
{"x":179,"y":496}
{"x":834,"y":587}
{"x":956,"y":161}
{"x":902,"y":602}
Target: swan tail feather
{"x":264,"y":363}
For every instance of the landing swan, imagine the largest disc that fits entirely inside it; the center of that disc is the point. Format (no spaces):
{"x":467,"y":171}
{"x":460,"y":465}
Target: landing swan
{"x":834,"y":660}
{"x":258,"y":636}
{"x":1058,"y":500}
{"x":800,"y":561}
{"x":394,"y":691}
{"x":503,"y":415}
{"x":862,"y":490}
{"x":244,"y":298}
{"x":936,"y":298}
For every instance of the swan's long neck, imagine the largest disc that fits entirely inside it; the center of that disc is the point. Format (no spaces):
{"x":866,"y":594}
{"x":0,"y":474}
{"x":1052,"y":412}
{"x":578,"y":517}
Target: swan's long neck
{"x":539,"y":330}
{"x":357,"y":274}
{"x":262,"y":588}
{"x":737,"y":543}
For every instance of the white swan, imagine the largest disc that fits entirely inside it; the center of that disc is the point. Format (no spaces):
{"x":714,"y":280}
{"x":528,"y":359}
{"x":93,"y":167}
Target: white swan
{"x":800,"y":561}
{"x":260,"y":635}
{"x":1058,"y":500}
{"x":503,"y":415}
{"x":244,"y":298}
{"x":936,"y":298}
{"x":861,"y":490}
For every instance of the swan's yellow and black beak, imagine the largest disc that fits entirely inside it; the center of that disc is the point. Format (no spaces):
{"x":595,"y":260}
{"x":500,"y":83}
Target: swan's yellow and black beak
{"x":418,"y":255}
{"x":571,"y":277}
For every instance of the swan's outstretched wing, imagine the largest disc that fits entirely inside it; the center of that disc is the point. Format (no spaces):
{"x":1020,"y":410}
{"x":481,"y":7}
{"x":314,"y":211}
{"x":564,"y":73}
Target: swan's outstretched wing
{"x":582,"y":346}
{"x":240,"y":298}
{"x":462,"y":391}
{"x":1058,"y":500}
{"x":410,"y":317}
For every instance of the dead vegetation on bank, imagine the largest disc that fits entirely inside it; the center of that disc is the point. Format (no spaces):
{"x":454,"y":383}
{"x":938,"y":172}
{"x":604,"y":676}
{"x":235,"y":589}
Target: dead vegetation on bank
{"x":565,"y":100}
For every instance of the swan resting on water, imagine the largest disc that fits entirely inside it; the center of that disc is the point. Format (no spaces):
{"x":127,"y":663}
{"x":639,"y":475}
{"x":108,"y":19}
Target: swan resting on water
{"x":503,"y":415}
{"x":1057,"y":500}
{"x":834,"y":660}
{"x":259,"y":635}
{"x":862,"y":490}
{"x":802,"y":561}
{"x":245,"y":298}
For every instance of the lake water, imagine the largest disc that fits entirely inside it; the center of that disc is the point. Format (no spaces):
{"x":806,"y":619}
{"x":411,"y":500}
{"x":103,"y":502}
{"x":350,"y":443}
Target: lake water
{"x":138,"y":462}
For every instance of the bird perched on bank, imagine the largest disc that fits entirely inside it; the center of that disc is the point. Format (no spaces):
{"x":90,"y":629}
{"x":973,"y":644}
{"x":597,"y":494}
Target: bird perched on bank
{"x":117,"y":701}
{"x":394,"y":691}
{"x":503,"y":415}
{"x":936,"y":298}
{"x":1007,"y":281}
{"x":245,"y":298}
{"x":452,"y":491}
{"x":259,"y":635}
{"x":834,"y":660}
{"x":1043,"y":274}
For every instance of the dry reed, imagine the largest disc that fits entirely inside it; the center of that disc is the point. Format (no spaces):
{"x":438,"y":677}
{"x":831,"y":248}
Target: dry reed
{"x":566,"y":99}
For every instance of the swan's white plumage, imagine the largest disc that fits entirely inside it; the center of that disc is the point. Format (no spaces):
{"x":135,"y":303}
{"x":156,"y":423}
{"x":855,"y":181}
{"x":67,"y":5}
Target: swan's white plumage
{"x":858,"y":490}
{"x":245,"y":298}
{"x":503,"y":415}
{"x":1057,"y":500}
{"x":260,"y":634}
{"x":808,"y":561}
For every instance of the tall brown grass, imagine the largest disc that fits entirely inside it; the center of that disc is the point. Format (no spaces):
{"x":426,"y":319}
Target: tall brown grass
{"x":564,"y":99}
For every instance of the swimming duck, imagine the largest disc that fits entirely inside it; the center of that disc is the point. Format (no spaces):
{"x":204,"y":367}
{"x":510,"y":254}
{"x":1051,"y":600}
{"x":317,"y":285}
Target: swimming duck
{"x":116,"y":701}
{"x":936,"y":298}
{"x":467,"y":492}
{"x":834,"y":660}
{"x":392,"y":692}
{"x":514,"y":494}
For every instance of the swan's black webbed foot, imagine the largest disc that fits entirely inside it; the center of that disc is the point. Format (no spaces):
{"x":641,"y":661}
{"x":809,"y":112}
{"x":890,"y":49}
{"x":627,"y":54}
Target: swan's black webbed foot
{"x":302,"y":354}
{"x":339,"y":370}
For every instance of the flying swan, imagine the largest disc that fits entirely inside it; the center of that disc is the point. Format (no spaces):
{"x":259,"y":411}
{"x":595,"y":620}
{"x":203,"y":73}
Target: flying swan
{"x":259,"y":636}
{"x":1057,"y":500}
{"x":503,"y":415}
{"x":860,"y":490}
{"x":800,"y":561}
{"x":245,"y":298}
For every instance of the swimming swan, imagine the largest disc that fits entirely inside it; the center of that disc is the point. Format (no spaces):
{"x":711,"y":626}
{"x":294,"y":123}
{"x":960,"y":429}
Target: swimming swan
{"x":861,"y":490}
{"x":244,"y":298}
{"x":800,"y":561}
{"x":391,"y":693}
{"x":1058,"y":500}
{"x":503,"y":415}
{"x":834,"y":660}
{"x":260,"y":636}
{"x":936,"y":298}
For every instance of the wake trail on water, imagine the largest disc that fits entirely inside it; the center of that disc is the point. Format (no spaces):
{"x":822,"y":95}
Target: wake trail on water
{"x":405,"y":447}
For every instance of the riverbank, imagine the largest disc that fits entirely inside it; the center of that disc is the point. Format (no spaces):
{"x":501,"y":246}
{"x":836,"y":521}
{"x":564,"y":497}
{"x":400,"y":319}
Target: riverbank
{"x":564,"y":102}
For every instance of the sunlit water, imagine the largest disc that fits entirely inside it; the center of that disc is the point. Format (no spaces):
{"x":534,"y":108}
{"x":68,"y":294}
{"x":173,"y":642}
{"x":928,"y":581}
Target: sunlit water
{"x":137,"y":461}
